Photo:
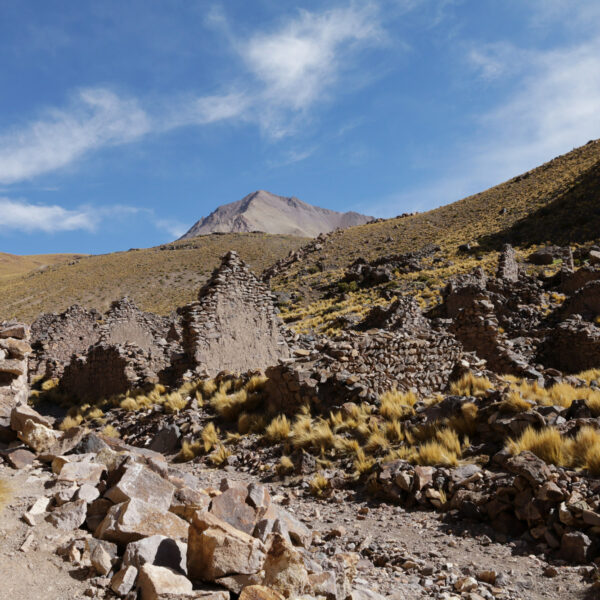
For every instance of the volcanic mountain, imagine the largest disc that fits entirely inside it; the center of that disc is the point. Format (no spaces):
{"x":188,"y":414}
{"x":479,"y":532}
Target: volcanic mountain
{"x":266,"y":212}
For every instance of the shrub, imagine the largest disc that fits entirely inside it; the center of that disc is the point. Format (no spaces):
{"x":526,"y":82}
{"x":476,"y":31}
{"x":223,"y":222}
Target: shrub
{"x":471,"y":385}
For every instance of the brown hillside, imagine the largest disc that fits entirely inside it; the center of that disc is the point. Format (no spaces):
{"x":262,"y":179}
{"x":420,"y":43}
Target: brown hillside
{"x":12,"y":264}
{"x":158,"y":279}
{"x":558,"y":202}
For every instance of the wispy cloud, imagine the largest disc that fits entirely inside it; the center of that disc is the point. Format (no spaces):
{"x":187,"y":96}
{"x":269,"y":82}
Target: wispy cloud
{"x":287,"y":71}
{"x":553,"y":106}
{"x":299,"y":62}
{"x":171,"y":226}
{"x":24,"y":216}
{"x":96,"y":118}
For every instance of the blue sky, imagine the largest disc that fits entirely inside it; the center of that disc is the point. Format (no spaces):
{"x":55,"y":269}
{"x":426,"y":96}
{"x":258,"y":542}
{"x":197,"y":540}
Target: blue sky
{"x":123,"y":122}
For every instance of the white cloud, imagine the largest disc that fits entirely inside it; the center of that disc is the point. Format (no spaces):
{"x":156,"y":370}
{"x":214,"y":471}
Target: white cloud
{"x":552,"y":106}
{"x":297,"y":65}
{"x":96,"y":118}
{"x":496,"y":60}
{"x":19,"y":215}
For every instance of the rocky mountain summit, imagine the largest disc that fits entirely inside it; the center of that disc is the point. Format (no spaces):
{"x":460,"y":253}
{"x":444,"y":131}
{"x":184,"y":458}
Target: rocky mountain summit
{"x":263,"y":211}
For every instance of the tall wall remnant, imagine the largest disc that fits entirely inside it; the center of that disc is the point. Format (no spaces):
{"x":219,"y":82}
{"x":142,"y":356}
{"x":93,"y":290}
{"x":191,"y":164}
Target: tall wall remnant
{"x":14,"y":388}
{"x":234,"y":324}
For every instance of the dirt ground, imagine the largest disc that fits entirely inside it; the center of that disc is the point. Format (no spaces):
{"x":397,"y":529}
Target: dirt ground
{"x":386,"y":536}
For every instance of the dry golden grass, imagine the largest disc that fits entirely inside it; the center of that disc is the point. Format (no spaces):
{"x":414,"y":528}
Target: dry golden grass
{"x":397,"y":405}
{"x":12,"y":265}
{"x":278,"y":430}
{"x":111,"y":431}
{"x":319,"y":485}
{"x":285,"y":465}
{"x":471,"y":385}
{"x":175,"y":402}
{"x":219,"y":456}
{"x":210,"y":437}
{"x":156,"y":279}
{"x":189,"y":451}
{"x":582,"y":451}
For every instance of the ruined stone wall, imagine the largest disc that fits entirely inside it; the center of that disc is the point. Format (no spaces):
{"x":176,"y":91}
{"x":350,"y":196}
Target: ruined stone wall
{"x":56,"y":337}
{"x":106,"y":370}
{"x":234,"y":325}
{"x":14,"y":388}
{"x":405,"y":353}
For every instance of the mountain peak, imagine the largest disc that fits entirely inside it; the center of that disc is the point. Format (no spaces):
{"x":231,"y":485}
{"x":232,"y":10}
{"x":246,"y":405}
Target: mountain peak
{"x":263,"y":211}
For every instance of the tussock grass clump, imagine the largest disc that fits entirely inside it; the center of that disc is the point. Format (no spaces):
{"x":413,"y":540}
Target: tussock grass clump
{"x":285,"y":466}
{"x":189,"y":451}
{"x":319,"y":485}
{"x":278,"y":430}
{"x":397,"y":405}
{"x":111,"y":431}
{"x":175,"y":403}
{"x":220,"y":455}
{"x":210,"y":437}
{"x":546,"y":443}
{"x":515,"y":403}
{"x":363,"y":463}
{"x":69,"y":422}
{"x":318,"y":436}
{"x":471,"y":385}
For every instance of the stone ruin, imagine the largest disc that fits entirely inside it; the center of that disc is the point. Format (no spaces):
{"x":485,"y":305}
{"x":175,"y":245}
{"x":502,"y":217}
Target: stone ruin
{"x":14,"y":388}
{"x":405,"y":352}
{"x":233,"y":326}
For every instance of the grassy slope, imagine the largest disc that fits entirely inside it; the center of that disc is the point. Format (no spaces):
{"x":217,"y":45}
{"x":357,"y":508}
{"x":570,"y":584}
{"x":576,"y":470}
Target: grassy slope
{"x":12,"y":265}
{"x":157,"y":279}
{"x":558,"y":202}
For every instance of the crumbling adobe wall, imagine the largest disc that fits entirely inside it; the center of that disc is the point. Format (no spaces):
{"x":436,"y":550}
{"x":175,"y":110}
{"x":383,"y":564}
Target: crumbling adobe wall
{"x":234,"y":325}
{"x":14,"y":388}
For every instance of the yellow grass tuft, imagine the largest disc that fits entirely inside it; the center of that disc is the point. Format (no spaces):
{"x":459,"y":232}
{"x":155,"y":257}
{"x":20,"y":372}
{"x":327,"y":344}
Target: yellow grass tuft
{"x":129,"y":404}
{"x":397,"y":405}
{"x":285,"y":465}
{"x":319,"y":485}
{"x":70,"y":422}
{"x":546,"y":443}
{"x":219,"y":456}
{"x":189,"y":451}
{"x":175,"y":403}
{"x":278,"y":430}
{"x":363,"y":463}
{"x":471,"y":385}
{"x":111,"y":431}
{"x":515,"y":403}
{"x":210,"y":437}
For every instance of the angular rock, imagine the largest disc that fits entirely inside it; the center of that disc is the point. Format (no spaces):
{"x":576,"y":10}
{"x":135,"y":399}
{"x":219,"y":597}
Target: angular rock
{"x":236,"y":583}
{"x":284,"y":569}
{"x":15,"y":348}
{"x":157,"y":550}
{"x":39,"y":437}
{"x":124,"y":580}
{"x":324,"y":584}
{"x":69,"y":516}
{"x":18,"y":331}
{"x":259,"y":592}
{"x":101,"y":560}
{"x":154,"y":582}
{"x":81,"y":472}
{"x":140,"y":483}
{"x":216,"y":549}
{"x":166,"y":439}
{"x":21,"y":413}
{"x":575,"y":547}
{"x":134,"y":520}
{"x":19,"y":459}
{"x":231,"y":507}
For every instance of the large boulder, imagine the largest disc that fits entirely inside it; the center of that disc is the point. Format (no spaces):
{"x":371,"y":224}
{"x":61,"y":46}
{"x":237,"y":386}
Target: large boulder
{"x":135,"y":519}
{"x":216,"y":549}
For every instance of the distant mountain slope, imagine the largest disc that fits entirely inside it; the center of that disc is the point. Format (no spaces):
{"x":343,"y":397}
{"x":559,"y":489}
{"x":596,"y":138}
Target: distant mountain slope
{"x":263,"y":211}
{"x":158,"y":279}
{"x":12,"y":264}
